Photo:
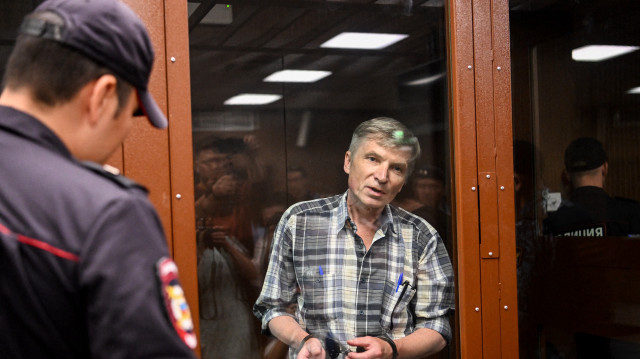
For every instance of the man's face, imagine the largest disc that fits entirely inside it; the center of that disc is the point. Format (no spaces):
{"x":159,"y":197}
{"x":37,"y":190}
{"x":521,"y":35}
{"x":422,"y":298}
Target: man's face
{"x":211,"y":165}
{"x":376,"y":174}
{"x":428,"y":191}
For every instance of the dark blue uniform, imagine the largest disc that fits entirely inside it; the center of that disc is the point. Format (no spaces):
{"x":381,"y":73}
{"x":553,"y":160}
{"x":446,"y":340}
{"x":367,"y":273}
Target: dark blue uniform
{"x":84,"y":268}
{"x":591,"y":212}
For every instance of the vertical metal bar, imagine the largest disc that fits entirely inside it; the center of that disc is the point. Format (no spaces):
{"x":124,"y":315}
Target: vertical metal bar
{"x":479,"y":44}
{"x":151,"y":168}
{"x":486,"y":147}
{"x":181,"y":154}
{"x":463,"y":130}
{"x":504,"y":169}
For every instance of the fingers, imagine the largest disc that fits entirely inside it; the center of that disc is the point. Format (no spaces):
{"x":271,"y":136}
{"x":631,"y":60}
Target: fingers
{"x":219,"y":231}
{"x":225,"y":185}
{"x":374,"y":348}
{"x":312,"y":349}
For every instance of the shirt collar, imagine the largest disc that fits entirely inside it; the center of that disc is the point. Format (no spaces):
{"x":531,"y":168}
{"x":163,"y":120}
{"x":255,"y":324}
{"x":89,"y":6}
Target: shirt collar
{"x":27,"y":126}
{"x":386,"y":219}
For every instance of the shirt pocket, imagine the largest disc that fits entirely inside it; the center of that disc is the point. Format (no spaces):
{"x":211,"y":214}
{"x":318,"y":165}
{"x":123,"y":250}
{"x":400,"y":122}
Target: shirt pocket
{"x":320,"y":293}
{"x":401,"y":314}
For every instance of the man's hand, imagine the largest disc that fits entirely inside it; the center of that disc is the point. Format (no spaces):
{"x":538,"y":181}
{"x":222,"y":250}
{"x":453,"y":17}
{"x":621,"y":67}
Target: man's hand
{"x":374,"y":348}
{"x":312,"y":349}
{"x":224,"y":186}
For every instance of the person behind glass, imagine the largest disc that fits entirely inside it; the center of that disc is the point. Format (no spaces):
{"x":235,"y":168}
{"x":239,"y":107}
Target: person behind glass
{"x":272,"y":208}
{"x":374,"y":281}
{"x":213,"y":173}
{"x":85,"y":269}
{"x":590,"y":211}
{"x":533,"y":252}
{"x":225,"y":250}
{"x":428,"y":186}
{"x":298,"y":185}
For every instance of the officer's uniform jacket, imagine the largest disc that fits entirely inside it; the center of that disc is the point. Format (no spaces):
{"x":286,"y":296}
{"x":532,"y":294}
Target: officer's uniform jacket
{"x":84,"y":267}
{"x":591,"y":212}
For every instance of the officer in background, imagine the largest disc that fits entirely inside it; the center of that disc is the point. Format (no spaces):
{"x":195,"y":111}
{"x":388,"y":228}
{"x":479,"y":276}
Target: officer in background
{"x":590,"y":211}
{"x":84,"y":266}
{"x":428,"y":185}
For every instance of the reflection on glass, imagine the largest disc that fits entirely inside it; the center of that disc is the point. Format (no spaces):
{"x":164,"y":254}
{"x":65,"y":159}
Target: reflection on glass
{"x":363,"y":40}
{"x":576,"y":161}
{"x":253,"y":160}
{"x":225,"y":247}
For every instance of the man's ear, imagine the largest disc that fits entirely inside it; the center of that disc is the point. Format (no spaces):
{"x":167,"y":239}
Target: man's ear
{"x":605,"y":169}
{"x":347,"y":162}
{"x":103,"y":100}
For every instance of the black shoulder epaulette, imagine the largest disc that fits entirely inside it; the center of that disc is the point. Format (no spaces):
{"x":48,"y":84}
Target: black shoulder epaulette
{"x":113,"y":174}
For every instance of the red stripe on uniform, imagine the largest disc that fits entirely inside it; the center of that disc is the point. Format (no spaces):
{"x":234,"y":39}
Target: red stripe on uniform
{"x":49,"y":248}
{"x":42,"y":245}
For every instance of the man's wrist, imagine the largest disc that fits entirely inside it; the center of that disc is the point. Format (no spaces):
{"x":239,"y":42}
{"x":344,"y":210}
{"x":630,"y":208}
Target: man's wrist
{"x":394,"y":349}
{"x":304,"y":340}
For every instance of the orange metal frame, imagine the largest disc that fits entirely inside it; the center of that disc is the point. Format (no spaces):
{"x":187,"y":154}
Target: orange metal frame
{"x":482,"y":164}
{"x":162,"y":160}
{"x":483,"y":177}
{"x":181,"y":154}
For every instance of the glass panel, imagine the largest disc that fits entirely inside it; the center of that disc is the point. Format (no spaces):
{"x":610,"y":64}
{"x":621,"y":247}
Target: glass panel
{"x":578,"y":224}
{"x":11,"y":14}
{"x":260,"y":158}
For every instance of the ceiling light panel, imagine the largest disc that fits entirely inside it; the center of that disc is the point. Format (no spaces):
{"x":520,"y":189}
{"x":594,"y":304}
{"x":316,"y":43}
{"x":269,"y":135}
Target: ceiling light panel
{"x":594,"y":53}
{"x":634,"y":91}
{"x":363,"y":40}
{"x":252,"y":99}
{"x":297,"y":76}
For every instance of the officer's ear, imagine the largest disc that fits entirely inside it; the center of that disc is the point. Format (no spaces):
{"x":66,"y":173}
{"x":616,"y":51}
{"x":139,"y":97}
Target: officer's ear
{"x":605,"y":169}
{"x":103,"y":100}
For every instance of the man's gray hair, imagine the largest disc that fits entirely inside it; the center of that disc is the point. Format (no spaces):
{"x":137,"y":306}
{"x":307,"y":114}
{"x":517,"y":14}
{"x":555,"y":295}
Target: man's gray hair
{"x":389,"y":133}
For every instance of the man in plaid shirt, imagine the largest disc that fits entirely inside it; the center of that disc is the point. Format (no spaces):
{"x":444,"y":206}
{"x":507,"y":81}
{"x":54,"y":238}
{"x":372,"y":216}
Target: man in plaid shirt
{"x":370,"y":280}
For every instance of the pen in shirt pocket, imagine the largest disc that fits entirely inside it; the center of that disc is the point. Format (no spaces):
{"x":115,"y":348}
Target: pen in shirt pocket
{"x":399,"y":282}
{"x":320,"y":270}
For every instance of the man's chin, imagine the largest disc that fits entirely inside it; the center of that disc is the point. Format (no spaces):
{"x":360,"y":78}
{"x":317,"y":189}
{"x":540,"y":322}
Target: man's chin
{"x":376,"y":203}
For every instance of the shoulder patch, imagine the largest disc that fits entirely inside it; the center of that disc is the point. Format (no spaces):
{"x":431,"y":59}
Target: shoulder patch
{"x":174,"y":301}
{"x":113,"y":174}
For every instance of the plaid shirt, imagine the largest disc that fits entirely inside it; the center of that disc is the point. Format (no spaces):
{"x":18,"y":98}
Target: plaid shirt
{"x":403,"y":283}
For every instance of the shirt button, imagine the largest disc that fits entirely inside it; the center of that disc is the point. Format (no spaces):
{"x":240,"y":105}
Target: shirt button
{"x":361,"y":312}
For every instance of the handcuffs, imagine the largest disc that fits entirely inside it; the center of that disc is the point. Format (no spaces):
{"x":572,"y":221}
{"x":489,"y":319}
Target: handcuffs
{"x":333,"y":348}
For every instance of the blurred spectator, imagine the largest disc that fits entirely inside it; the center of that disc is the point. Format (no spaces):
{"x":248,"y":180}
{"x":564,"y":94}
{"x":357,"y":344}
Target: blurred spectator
{"x":298,"y":185}
{"x":225,"y":250}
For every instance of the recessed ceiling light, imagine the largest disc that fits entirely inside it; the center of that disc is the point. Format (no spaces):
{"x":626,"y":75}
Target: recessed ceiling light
{"x":363,"y":40}
{"x":425,"y":80}
{"x":297,"y":76}
{"x":634,"y":91}
{"x":600,"y":52}
{"x":252,"y":99}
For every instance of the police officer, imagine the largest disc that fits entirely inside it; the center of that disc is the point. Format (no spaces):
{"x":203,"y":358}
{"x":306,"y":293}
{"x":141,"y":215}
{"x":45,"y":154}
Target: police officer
{"x":84,"y":266}
{"x":590,"y":211}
